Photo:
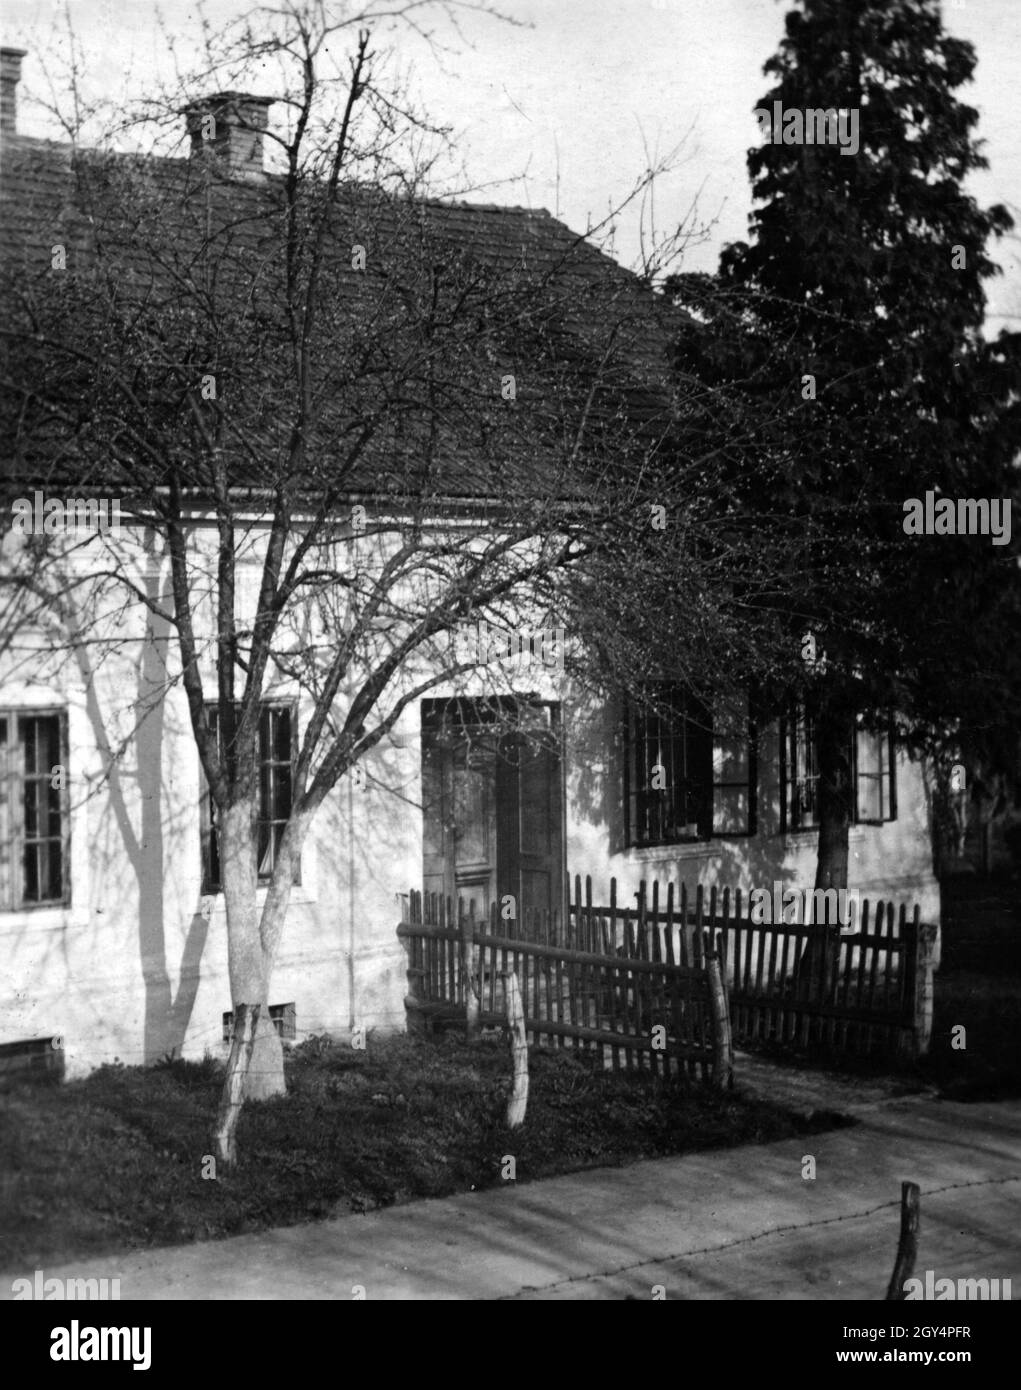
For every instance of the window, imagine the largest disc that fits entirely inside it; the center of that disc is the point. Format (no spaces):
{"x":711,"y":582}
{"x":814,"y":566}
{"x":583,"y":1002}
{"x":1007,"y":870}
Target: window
{"x":871,"y":761}
{"x":284,"y":1020}
{"x":799,"y":772}
{"x":733,"y":768}
{"x":34,"y":819}
{"x":32,"y":1059}
{"x":688,"y":776}
{"x":277,"y":744}
{"x":875,"y":789}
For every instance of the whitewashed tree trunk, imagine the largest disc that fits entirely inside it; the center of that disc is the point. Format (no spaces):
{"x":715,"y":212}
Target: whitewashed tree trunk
{"x":262,"y":1075}
{"x":254,"y":1072}
{"x":232,"y":1097}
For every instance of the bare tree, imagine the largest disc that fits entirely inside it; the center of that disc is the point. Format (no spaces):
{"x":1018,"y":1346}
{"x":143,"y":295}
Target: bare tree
{"x":343,"y":418}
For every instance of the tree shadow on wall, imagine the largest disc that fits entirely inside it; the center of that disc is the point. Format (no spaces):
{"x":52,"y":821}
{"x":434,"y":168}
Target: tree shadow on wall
{"x":167,"y":1014}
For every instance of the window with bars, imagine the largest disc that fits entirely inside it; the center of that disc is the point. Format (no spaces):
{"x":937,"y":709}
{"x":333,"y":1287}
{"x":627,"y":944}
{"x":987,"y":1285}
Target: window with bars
{"x":34,"y":813}
{"x":277,"y":749}
{"x":799,"y":773}
{"x":283,"y":1016}
{"x":689,"y":775}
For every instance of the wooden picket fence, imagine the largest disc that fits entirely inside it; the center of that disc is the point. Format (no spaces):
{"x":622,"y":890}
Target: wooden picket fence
{"x":619,"y":996}
{"x":864,"y":990}
{"x":604,"y":976}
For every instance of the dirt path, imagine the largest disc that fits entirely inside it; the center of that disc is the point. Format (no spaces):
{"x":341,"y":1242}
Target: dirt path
{"x":805,"y":1090}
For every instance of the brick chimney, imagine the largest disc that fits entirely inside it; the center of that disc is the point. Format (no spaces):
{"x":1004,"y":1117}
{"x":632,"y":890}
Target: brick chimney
{"x":10,"y":76}
{"x":229,"y":127}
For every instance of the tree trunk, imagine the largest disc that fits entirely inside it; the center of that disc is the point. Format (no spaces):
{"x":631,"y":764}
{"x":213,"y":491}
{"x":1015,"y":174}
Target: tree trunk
{"x":834,"y":729}
{"x":255,"y":1068}
{"x":246,"y":1020}
{"x":261,"y":1071}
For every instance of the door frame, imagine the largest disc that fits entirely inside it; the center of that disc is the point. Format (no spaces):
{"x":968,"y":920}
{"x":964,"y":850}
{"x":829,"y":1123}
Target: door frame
{"x":469,"y":714}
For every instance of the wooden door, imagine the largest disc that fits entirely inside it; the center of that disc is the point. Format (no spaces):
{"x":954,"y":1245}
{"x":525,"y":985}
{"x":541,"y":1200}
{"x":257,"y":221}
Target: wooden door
{"x":529,"y":804}
{"x":493,"y":809}
{"x":459,"y":816}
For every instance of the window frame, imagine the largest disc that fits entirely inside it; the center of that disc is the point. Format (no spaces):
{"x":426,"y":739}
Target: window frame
{"x":13,"y":788}
{"x":213,"y":885}
{"x":752,"y":782}
{"x":789,"y":824}
{"x":284,"y":1018}
{"x":791,"y":819}
{"x":887,"y":743}
{"x":700,"y":725}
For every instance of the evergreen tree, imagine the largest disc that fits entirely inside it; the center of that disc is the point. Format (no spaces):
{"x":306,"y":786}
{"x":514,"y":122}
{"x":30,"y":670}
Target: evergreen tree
{"x":852,"y":322}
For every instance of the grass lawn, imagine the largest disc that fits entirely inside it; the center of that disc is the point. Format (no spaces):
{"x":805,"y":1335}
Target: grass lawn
{"x":114,"y":1161}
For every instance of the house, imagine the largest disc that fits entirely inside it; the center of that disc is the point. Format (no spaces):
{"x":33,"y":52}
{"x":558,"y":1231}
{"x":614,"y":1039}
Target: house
{"x":493,"y":784}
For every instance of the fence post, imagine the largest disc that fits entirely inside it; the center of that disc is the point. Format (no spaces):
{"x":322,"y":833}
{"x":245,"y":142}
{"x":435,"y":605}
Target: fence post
{"x":470,"y":975}
{"x":911,"y":942}
{"x":907,"y":1247}
{"x":416,"y":947}
{"x":917,"y":966}
{"x":922,"y":1031}
{"x":987,"y":847}
{"x":719,"y":1012}
{"x":518,"y":1101}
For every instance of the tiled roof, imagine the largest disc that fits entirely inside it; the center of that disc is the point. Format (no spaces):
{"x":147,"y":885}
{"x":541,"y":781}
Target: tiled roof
{"x":556,"y":310}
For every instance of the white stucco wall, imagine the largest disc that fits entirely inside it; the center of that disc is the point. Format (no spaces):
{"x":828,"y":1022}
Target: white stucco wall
{"x":136,"y":965}
{"x":892,"y":861}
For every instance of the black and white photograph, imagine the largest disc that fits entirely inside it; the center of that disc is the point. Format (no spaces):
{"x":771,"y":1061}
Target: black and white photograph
{"x":510,"y":667}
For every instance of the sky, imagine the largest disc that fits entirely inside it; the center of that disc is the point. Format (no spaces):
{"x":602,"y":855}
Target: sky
{"x":563,"y":109}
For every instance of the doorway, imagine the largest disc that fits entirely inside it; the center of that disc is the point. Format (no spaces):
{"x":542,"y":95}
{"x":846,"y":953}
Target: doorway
{"x":493,"y":803}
